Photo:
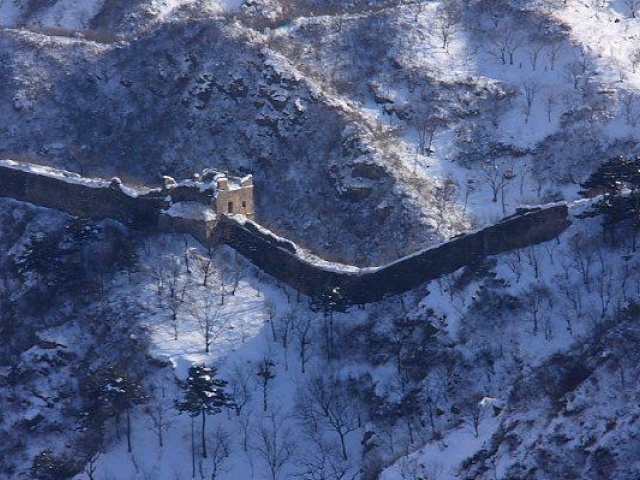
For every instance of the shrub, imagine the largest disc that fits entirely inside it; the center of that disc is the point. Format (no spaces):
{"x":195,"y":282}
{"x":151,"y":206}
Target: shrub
{"x":47,"y":466}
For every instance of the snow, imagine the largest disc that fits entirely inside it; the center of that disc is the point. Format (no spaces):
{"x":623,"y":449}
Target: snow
{"x":32,"y":414}
{"x":442,"y":459}
{"x":9,"y":12}
{"x":553,"y":94}
{"x":244,"y":316}
{"x":76,"y":15}
{"x":300,"y":252}
{"x":191,"y":210}
{"x":71,"y":14}
{"x":243,"y":341}
{"x":69,"y":177}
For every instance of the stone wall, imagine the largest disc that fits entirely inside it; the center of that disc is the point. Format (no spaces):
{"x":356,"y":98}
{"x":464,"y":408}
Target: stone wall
{"x":201,"y":230}
{"x":79,"y":199}
{"x":241,"y":200}
{"x":331,"y":284}
{"x":373,"y":284}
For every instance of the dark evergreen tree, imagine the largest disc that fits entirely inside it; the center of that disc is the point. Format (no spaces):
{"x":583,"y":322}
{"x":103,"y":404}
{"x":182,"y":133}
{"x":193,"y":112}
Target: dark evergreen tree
{"x":39,"y":256}
{"x":330,"y":300}
{"x":618,"y":180}
{"x":111,"y":393}
{"x":203,"y":395}
{"x":47,"y":466}
{"x":55,"y":259}
{"x":614,"y":176}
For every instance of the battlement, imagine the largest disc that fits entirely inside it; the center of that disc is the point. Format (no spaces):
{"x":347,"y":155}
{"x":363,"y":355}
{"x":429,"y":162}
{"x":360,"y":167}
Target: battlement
{"x":225,"y":194}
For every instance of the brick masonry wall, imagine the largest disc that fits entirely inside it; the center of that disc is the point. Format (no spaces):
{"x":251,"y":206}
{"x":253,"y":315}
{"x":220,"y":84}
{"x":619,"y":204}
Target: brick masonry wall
{"x":277,"y":256}
{"x":80,"y":200}
{"x":370,"y":285}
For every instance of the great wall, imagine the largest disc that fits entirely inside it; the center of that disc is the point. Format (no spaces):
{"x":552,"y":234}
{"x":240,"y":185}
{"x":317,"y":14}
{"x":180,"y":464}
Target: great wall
{"x":333,"y":285}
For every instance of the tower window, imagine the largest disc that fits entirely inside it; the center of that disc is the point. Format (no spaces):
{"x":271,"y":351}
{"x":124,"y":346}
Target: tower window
{"x":244,"y":204}
{"x":230,"y":207}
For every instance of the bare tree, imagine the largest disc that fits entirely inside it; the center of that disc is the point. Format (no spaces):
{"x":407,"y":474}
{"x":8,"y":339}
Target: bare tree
{"x":245,"y":422}
{"x":240,"y":387}
{"x":573,"y":297}
{"x":513,"y":260}
{"x":533,"y":52}
{"x":446,"y":21}
{"x":632,"y":7}
{"x":238,"y":272}
{"x":273,"y":444}
{"x":550,"y":102}
{"x":604,"y":283}
{"x":497,"y":177}
{"x":475,"y":411}
{"x":284,"y":327}
{"x":162,"y":416}
{"x":157,"y":272}
{"x":469,"y":189}
{"x":325,"y":399}
{"x":323,"y":461}
{"x":426,"y":127}
{"x":532,"y":255}
{"x":436,"y":384}
{"x":537,"y":302}
{"x":270,"y":307}
{"x":303,"y":332}
{"x":266,"y":373}
{"x":91,"y":467}
{"x":554,"y":50}
{"x":530,"y":88}
{"x":211,"y":321}
{"x":506,"y":41}
{"x":522,"y":173}
{"x":176,"y":284}
{"x":495,"y":12}
{"x":220,"y":451}
{"x":581,"y":257}
{"x":204,"y":264}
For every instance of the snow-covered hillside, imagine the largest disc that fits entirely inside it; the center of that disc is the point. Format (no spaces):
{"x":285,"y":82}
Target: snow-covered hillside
{"x":373,"y":128}
{"x":69,"y":16}
{"x":440,"y":382}
{"x":421,"y":118}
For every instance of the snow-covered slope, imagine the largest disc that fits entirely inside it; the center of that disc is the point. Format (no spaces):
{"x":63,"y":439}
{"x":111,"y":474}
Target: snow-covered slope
{"x":373,"y":128}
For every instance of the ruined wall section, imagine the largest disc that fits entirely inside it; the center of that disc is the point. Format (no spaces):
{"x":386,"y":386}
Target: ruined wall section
{"x":79,"y":199}
{"x":279,"y":258}
{"x":240,"y":200}
{"x":518,"y":231}
{"x":275,"y":256}
{"x":201,"y":230}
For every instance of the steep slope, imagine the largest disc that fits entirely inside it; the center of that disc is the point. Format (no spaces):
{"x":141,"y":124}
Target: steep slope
{"x":411,"y":121}
{"x":574,"y":416}
{"x":372,"y":128}
{"x":210,"y":98}
{"x":58,"y":330}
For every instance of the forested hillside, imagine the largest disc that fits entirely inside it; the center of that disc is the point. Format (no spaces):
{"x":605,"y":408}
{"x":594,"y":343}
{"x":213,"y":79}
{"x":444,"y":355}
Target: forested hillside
{"x":373,"y":129}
